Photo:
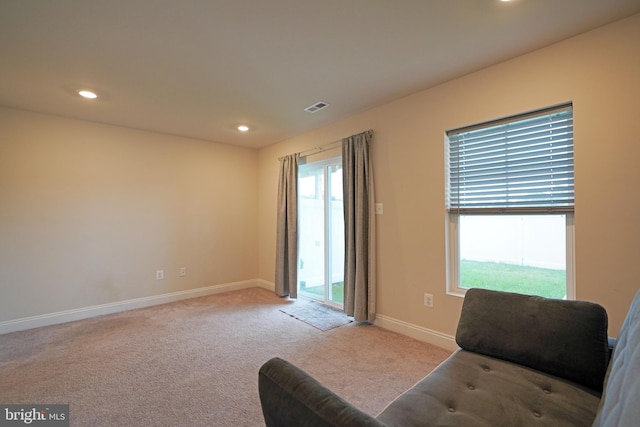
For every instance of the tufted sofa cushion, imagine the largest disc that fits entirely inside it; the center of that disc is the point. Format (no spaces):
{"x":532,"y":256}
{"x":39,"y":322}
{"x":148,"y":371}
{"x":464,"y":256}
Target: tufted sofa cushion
{"x":563,"y":338}
{"x":470,"y":389}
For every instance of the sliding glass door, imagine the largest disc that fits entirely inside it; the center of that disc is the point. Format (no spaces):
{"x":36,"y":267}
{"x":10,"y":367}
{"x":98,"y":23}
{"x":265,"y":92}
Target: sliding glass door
{"x":321,"y":231}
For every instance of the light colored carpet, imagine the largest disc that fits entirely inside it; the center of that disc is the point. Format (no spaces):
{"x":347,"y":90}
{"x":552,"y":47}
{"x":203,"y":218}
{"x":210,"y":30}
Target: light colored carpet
{"x":316,"y":314}
{"x":195,"y":362}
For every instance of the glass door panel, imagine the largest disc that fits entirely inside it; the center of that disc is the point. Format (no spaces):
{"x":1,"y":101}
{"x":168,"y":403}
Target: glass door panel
{"x":321,"y":231}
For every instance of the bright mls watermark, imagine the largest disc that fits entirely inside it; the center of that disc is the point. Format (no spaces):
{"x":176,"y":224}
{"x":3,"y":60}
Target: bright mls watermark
{"x":34,"y":415}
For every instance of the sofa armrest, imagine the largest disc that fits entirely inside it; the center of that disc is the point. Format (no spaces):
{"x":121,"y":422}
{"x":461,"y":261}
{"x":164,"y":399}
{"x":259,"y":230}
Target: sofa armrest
{"x":292,"y":398}
{"x":619,"y":403}
{"x":564,"y":338}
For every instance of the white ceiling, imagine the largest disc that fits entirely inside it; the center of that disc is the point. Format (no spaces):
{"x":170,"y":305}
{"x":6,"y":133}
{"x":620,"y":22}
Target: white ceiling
{"x":198,"y":68}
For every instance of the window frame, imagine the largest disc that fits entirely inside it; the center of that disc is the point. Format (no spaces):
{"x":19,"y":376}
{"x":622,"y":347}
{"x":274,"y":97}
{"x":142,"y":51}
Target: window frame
{"x":453,"y":255}
{"x":452,"y":216}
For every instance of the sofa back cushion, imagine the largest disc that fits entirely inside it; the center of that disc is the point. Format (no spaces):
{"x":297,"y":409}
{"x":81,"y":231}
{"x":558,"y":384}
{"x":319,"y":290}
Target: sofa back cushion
{"x":564,"y":338}
{"x":620,"y":403}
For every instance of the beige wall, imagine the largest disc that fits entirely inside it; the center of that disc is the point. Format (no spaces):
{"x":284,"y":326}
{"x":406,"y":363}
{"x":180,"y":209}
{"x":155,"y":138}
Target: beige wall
{"x":598,"y":71}
{"x":89,"y":212}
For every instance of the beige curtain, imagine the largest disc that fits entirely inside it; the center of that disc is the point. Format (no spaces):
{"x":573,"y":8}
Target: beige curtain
{"x":287,"y":228}
{"x":359,"y":228}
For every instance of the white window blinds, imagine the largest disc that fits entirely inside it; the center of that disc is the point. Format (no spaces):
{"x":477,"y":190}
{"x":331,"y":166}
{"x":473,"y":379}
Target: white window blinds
{"x":522,"y":164}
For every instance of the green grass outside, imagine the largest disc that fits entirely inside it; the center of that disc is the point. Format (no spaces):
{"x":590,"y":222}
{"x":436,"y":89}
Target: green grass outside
{"x":513,"y":278}
{"x":491,"y":275}
{"x":337,"y":292}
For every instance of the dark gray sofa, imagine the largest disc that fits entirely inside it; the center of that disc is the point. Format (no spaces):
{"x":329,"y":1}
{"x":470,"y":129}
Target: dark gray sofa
{"x":522,"y":361}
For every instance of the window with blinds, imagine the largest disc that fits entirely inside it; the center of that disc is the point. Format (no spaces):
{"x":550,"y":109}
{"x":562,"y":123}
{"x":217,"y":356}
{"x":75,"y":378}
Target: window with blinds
{"x":509,"y":204}
{"x":522,"y":164}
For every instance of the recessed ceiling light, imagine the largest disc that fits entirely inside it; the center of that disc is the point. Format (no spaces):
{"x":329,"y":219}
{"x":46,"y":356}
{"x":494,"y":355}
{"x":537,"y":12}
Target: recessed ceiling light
{"x":87,"y":94}
{"x":243,"y":128}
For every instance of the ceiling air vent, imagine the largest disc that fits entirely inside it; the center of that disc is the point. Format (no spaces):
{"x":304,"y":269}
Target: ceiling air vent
{"x":316,"y":107}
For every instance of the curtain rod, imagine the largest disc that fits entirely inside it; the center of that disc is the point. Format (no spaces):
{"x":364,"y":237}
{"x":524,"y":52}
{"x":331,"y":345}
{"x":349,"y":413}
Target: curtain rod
{"x":321,"y":148}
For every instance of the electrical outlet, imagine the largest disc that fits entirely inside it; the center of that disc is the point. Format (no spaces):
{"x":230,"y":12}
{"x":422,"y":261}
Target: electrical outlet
{"x":183,"y":271}
{"x":428,"y":300}
{"x":159,"y":274}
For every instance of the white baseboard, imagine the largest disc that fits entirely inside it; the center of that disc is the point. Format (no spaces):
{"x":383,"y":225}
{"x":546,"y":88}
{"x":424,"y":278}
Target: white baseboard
{"x":115,"y":307}
{"x":270,"y":286}
{"x":385,"y":322}
{"x":417,"y":332}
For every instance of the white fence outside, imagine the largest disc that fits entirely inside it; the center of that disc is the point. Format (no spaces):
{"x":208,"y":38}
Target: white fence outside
{"x":528,"y":240}
{"x":311,"y":242}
